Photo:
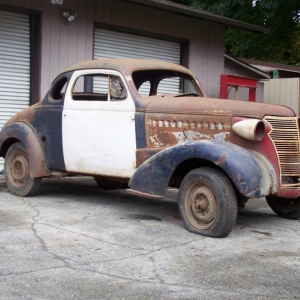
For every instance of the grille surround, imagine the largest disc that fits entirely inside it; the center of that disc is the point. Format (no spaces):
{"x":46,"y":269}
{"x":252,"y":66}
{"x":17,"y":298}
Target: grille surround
{"x":285,"y":137}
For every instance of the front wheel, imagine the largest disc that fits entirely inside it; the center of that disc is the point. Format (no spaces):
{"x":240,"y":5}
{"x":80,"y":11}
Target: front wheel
{"x":285,"y":207}
{"x":207,"y":202}
{"x":16,"y":171}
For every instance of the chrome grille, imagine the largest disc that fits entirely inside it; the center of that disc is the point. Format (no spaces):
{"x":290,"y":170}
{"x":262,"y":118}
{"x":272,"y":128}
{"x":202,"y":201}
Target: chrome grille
{"x":285,"y":137}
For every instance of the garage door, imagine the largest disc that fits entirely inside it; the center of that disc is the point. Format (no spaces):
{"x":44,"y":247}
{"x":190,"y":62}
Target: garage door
{"x":14,"y":65}
{"x":112,"y":44}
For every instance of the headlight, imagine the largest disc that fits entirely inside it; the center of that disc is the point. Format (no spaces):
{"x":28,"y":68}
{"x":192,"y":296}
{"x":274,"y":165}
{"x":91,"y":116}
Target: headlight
{"x":251,"y":129}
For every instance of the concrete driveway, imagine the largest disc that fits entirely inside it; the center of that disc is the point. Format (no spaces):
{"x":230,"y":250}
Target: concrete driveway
{"x":75,"y":241}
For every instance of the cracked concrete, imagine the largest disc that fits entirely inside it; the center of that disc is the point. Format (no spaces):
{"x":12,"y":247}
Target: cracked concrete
{"x":75,"y":241}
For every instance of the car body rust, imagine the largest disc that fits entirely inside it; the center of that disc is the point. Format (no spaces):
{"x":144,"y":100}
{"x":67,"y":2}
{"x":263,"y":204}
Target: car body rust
{"x":171,"y":132}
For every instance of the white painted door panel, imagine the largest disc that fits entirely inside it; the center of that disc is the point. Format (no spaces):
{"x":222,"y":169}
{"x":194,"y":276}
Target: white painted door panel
{"x":99,"y":136}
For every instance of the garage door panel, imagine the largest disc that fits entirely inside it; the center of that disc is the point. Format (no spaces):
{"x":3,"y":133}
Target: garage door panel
{"x":110,"y":43}
{"x":14,"y":65}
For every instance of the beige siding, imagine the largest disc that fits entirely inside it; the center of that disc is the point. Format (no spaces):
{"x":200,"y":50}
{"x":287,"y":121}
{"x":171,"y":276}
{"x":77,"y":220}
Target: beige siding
{"x":283,"y":92}
{"x":66,"y":43}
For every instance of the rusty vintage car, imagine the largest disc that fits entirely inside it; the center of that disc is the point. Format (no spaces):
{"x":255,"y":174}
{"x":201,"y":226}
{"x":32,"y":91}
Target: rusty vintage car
{"x":149,"y":125}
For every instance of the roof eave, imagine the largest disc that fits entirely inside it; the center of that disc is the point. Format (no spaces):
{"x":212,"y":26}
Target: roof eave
{"x":248,"y":66}
{"x":200,"y":14}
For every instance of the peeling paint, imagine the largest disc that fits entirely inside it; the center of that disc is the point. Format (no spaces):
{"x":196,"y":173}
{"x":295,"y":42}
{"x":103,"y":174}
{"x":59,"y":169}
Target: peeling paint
{"x":154,"y":139}
{"x":221,"y":136}
{"x":185,"y":136}
{"x":189,"y":136}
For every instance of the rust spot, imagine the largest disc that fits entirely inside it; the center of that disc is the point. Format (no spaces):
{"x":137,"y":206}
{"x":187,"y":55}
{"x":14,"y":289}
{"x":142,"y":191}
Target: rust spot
{"x":165,"y":130}
{"x":222,"y":159}
{"x":144,"y":154}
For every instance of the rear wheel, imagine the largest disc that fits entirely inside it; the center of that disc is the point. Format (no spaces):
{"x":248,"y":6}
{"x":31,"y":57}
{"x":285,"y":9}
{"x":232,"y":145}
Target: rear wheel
{"x":16,"y":171}
{"x":207,"y":202}
{"x":285,"y":207}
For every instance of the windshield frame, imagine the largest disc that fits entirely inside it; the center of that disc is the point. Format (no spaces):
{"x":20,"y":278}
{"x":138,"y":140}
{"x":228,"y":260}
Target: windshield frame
{"x":155,"y":76}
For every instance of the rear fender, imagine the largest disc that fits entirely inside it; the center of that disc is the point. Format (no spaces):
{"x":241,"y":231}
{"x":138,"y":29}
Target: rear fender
{"x":27,"y":136}
{"x":251,"y":176}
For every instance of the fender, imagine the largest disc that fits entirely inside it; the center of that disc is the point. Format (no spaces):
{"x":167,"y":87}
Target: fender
{"x":253,"y":175}
{"x":26,"y":134}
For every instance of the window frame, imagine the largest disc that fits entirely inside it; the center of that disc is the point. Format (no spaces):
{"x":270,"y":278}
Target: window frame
{"x":98,"y":72}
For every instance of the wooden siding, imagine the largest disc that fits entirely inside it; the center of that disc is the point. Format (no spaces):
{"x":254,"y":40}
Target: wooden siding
{"x":66,"y":43}
{"x":283,"y":92}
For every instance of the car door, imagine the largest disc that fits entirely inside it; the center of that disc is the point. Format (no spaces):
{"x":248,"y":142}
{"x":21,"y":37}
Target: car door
{"x":98,"y":126}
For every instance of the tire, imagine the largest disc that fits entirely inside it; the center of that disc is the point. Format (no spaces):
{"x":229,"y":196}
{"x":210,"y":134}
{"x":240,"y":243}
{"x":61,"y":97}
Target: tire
{"x":207,"y":202}
{"x":285,"y":207}
{"x":16,"y":172}
{"x":107,"y":184}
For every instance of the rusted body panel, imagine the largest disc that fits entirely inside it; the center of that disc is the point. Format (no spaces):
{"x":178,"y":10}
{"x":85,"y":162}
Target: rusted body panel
{"x":164,"y":130}
{"x":25,"y":134}
{"x":126,"y":66}
{"x":191,"y":126}
{"x":243,"y":169}
{"x":149,"y":124}
{"x":213,"y":107}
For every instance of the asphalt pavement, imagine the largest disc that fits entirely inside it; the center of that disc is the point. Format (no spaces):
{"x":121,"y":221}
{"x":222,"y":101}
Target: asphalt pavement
{"x":75,"y":241}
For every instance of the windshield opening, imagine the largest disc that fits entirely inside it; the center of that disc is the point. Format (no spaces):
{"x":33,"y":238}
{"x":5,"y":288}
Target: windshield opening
{"x":165,"y":82}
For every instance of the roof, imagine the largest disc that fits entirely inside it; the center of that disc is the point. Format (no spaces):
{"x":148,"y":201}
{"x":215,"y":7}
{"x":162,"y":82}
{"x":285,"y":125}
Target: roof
{"x":243,"y":64}
{"x":126,"y":65}
{"x":199,"y":14}
{"x":267,"y":66}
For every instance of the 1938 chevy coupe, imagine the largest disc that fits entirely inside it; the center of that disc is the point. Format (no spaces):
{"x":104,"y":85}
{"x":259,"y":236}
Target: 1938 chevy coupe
{"x":148,"y":124}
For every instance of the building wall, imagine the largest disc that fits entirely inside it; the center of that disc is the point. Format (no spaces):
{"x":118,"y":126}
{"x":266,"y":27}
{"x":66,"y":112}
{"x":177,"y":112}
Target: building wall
{"x":283,"y":91}
{"x":66,"y":43}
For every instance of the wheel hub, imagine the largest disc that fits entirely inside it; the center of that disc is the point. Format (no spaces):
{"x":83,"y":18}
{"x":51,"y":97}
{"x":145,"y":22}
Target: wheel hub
{"x":203,"y":207}
{"x":19,"y":169}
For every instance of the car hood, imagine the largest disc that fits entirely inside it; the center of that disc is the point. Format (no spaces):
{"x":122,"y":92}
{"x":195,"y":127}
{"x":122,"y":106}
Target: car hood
{"x":211,"y":106}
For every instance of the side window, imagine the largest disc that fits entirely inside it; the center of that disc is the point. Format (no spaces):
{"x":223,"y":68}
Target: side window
{"x":116,"y":88}
{"x":59,"y":88}
{"x":99,"y":87}
{"x":189,"y":87}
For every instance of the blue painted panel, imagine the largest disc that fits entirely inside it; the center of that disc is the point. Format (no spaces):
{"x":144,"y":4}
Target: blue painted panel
{"x":153,"y":176}
{"x":47,"y":122}
{"x":140,"y":130}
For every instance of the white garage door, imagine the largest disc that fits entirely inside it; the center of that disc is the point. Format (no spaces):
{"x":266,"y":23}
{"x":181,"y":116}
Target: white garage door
{"x":14,"y":65}
{"x":112,"y":44}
